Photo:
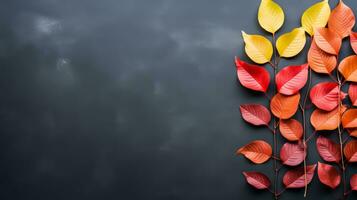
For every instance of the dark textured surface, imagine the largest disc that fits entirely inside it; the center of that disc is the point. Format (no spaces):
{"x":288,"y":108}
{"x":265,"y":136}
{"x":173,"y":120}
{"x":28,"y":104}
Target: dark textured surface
{"x":129,"y":100}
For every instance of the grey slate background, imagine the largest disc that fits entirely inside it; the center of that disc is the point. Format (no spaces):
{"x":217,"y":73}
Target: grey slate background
{"x":130,"y":100}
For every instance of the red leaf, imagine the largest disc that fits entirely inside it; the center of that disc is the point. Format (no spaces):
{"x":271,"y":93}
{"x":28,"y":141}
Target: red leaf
{"x":295,"y":178}
{"x":258,"y":180}
{"x":257,"y":151}
{"x":353,"y":41}
{"x":292,"y":154}
{"x":255,"y":114}
{"x":252,"y":77}
{"x":325,"y":95}
{"x":350,"y":151}
{"x":328,"y":175}
{"x":353,"y":182}
{"x":291,"y":129}
{"x":328,"y":149}
{"x":352,"y":92}
{"x":291,"y":79}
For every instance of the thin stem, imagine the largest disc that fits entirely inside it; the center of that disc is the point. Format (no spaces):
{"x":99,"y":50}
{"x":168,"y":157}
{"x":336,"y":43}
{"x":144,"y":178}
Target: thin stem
{"x":276,"y":171}
{"x":343,"y":167}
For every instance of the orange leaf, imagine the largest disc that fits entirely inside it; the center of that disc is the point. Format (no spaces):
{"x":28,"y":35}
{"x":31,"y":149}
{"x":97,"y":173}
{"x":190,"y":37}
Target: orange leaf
{"x":350,"y":151}
{"x":353,"y":41}
{"x":352,"y":92}
{"x":349,"y":119}
{"x":283,"y":106}
{"x":348,"y":68}
{"x":326,"y":120}
{"x":291,"y":129}
{"x":352,"y":132}
{"x":320,"y":61}
{"x":257,"y":151}
{"x":327,"y":40}
{"x":341,"y":20}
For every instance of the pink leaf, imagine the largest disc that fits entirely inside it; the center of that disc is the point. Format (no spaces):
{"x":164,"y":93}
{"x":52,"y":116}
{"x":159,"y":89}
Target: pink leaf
{"x":353,"y":182}
{"x":353,"y":41}
{"x":258,"y":180}
{"x":325,"y":95}
{"x":255,"y":114}
{"x":328,"y":175}
{"x":328,"y":149}
{"x":291,"y":79}
{"x":252,"y":77}
{"x":292,"y":154}
{"x":295,"y":178}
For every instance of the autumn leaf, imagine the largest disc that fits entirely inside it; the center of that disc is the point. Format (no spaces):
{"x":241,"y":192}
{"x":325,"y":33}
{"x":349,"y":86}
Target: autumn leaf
{"x":326,"y":120}
{"x":348,"y":68}
{"x":328,"y":149}
{"x":316,"y":16}
{"x":257,"y":151}
{"x":328,"y":175}
{"x":258,"y":180}
{"x":353,"y":41}
{"x":341,"y":20}
{"x":349,"y":118}
{"x":258,"y":48}
{"x":252,"y":76}
{"x":352,"y":132}
{"x":283,"y":106}
{"x":291,"y":79}
{"x":270,"y":16}
{"x":320,"y":61}
{"x":352,"y":93}
{"x":292,"y":154}
{"x":291,"y":129}
{"x":255,"y":114}
{"x":353,"y":182}
{"x":290,"y":44}
{"x":295,"y":178}
{"x":327,"y":40}
{"x":350,"y":151}
{"x":325,"y":95}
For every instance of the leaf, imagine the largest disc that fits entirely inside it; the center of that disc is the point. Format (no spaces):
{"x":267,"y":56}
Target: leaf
{"x":341,"y":20}
{"x":328,"y":175}
{"x":270,"y":16}
{"x":290,"y":44}
{"x":320,"y":61}
{"x":325,"y":95}
{"x":257,"y":151}
{"x":284,"y":107}
{"x":353,"y":182}
{"x":295,"y":178}
{"x":350,"y":151}
{"x":258,"y":48}
{"x":352,"y":132}
{"x":348,"y":68}
{"x":292,"y":154}
{"x":291,"y":79}
{"x":328,"y":41}
{"x":291,"y":129}
{"x":326,"y":120}
{"x":258,"y":180}
{"x":349,"y":118}
{"x":316,"y":16}
{"x":353,"y":41}
{"x":255,"y":114}
{"x":328,"y":149}
{"x":352,"y":93}
{"x":252,"y":76}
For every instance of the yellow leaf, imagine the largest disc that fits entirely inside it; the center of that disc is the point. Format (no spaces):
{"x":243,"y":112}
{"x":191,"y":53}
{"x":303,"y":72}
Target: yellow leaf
{"x":270,"y":16}
{"x":258,"y":48}
{"x":316,"y":16}
{"x":290,"y":44}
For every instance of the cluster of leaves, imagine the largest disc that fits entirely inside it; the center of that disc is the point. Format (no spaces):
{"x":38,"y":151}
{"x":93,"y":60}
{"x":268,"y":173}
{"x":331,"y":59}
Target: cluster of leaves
{"x":328,"y":97}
